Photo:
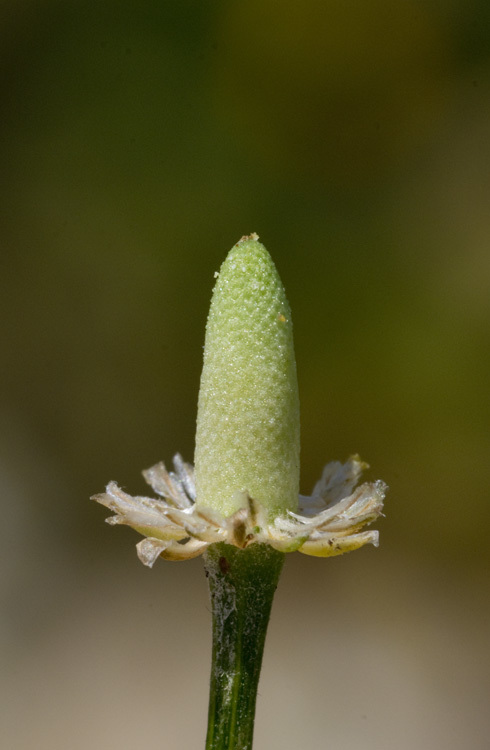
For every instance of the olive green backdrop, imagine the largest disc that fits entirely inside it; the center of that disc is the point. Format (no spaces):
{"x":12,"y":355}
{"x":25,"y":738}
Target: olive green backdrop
{"x":138,"y":143}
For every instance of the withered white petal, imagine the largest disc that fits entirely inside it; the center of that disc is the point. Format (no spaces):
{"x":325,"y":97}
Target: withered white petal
{"x":149,"y":550}
{"x":330,"y":522}
{"x":337,"y":481}
{"x":177,"y":487}
{"x":334,"y":545}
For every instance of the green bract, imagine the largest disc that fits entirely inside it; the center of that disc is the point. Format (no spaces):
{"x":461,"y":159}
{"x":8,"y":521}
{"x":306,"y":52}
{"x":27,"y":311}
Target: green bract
{"x":247,"y":440}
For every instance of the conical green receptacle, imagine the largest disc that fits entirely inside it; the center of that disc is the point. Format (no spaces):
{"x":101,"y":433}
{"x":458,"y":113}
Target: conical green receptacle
{"x":248,"y":413}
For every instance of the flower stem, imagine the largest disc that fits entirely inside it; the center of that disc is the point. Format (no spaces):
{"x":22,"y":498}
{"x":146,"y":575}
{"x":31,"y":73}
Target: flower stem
{"x":242,"y":585}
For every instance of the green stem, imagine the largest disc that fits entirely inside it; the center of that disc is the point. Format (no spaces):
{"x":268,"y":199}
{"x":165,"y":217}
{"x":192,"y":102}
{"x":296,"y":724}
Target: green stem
{"x":242,"y":585}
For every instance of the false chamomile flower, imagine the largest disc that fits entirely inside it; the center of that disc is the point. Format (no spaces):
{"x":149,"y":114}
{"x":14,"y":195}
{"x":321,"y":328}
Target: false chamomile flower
{"x":244,"y":489}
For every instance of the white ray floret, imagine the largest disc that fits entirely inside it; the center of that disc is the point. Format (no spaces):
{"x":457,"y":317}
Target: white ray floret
{"x":329,"y":522}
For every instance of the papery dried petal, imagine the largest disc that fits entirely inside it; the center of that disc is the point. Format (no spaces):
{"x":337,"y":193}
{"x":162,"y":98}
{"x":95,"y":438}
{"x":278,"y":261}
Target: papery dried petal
{"x":176,"y":528}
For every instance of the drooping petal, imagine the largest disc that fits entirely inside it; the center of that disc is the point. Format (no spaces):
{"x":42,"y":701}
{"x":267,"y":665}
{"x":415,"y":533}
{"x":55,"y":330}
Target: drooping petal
{"x":336,"y":545}
{"x":149,"y":550}
{"x":176,"y":551}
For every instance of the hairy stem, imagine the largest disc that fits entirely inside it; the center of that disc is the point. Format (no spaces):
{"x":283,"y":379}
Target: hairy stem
{"x":242,"y":585}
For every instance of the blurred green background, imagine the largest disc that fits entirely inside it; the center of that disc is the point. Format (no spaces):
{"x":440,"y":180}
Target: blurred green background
{"x":139,"y":142}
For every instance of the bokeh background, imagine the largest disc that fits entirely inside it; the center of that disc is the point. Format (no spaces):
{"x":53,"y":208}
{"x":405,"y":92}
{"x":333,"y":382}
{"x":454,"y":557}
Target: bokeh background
{"x":138,"y":142}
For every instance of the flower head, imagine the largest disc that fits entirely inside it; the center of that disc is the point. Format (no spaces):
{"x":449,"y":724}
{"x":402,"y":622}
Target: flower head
{"x":244,"y":489}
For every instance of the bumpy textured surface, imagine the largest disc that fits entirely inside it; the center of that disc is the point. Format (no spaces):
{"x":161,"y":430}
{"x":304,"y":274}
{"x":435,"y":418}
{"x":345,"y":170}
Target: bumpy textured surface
{"x":248,"y":415}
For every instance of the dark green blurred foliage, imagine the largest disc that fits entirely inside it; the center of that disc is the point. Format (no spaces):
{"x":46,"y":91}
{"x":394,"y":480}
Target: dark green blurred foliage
{"x":139,"y":141}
